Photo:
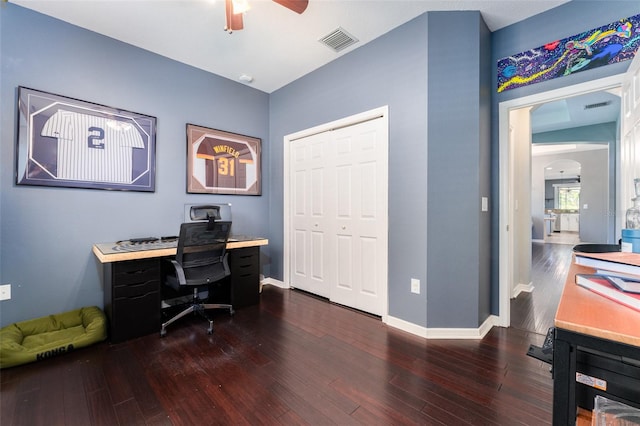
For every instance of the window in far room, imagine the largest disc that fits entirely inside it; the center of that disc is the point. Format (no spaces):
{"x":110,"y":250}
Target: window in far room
{"x":568,"y":198}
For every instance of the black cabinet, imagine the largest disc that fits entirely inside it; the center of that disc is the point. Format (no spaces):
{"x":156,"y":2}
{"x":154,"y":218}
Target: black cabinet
{"x":133,"y":291}
{"x":245,"y":276}
{"x":617,"y":377}
{"x":132,"y":298}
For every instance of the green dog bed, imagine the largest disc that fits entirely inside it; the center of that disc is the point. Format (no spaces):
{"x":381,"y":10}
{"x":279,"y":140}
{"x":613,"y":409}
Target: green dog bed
{"x":43,"y":338}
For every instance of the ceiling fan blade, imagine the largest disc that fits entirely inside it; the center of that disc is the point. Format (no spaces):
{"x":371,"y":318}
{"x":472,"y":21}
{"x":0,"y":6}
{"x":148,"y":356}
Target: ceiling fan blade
{"x":234,"y":21}
{"x":297,"y":6}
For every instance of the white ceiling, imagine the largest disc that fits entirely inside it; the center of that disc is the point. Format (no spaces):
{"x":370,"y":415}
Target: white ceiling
{"x":583,"y":110}
{"x":276,"y":46}
{"x":577,"y":111}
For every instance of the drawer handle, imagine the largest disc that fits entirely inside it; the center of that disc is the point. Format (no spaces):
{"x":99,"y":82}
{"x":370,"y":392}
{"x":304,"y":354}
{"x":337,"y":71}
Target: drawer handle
{"x":138,"y":284}
{"x":141,"y":284}
{"x":141,"y":296}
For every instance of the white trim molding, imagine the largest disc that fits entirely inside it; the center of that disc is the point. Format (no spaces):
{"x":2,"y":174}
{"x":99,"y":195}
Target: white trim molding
{"x":522,"y":288}
{"x":444,"y":333}
{"x":274,"y":282}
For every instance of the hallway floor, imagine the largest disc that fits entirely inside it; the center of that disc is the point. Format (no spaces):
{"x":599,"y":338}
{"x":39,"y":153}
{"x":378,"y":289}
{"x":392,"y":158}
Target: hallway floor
{"x":571,"y":238}
{"x":550,"y":263}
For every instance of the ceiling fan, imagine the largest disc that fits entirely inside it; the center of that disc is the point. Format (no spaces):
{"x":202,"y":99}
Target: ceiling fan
{"x":235,"y":8}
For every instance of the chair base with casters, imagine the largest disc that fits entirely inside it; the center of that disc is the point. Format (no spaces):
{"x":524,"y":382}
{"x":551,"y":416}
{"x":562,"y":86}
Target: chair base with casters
{"x":201,"y":261}
{"x":197,"y":307}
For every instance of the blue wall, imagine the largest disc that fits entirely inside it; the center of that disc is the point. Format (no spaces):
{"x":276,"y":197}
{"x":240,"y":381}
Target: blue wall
{"x":563,"y":21}
{"x":458,"y":245}
{"x":438,"y":156}
{"x":391,"y":70}
{"x":47,"y":233}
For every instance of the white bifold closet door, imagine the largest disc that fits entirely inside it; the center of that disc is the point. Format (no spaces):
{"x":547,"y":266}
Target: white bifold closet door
{"x":339,"y":223}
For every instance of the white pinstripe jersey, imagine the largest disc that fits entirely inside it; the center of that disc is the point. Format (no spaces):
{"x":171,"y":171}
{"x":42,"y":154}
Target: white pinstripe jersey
{"x":92,"y":148}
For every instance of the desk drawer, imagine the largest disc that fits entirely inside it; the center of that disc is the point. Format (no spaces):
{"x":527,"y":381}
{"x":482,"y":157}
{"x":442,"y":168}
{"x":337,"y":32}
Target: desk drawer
{"x":245,"y":261}
{"x":132,"y":298}
{"x":135,"y":317}
{"x":136,"y":289}
{"x":135,"y":272}
{"x":245,"y":270}
{"x":245,"y":276}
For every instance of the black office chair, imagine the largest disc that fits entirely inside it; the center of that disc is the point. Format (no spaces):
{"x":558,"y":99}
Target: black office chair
{"x":201,"y":260}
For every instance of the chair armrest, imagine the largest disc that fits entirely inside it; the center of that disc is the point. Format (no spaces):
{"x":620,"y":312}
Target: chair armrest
{"x":182,"y":279}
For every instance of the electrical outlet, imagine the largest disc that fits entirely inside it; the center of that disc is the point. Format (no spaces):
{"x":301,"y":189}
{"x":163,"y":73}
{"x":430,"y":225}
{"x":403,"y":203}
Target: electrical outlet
{"x":5,"y":292}
{"x":415,"y":286}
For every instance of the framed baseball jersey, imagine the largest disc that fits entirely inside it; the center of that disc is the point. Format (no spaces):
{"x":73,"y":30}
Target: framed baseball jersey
{"x":221,"y":162}
{"x":73,"y":143}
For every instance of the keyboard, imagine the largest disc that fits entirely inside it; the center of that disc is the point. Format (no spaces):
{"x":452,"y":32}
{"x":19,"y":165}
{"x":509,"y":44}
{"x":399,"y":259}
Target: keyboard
{"x":139,"y":244}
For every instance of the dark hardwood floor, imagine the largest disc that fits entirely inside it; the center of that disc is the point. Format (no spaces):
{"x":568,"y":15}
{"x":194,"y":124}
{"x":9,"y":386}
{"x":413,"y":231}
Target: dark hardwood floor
{"x":294,"y":359}
{"x":535,"y":311}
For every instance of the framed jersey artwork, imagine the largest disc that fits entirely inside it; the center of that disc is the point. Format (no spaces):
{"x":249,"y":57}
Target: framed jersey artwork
{"x":67,"y":142}
{"x":221,"y":162}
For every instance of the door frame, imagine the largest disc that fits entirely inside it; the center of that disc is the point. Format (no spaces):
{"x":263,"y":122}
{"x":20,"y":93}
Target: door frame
{"x":506,"y":236}
{"x":381,"y":112}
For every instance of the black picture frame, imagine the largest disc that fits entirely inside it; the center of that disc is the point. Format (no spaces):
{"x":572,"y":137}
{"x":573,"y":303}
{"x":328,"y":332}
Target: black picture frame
{"x":220,"y":162}
{"x":66,"y":142}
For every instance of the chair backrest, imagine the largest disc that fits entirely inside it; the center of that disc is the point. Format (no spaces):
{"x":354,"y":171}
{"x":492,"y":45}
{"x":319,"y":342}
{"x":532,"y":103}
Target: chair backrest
{"x":202,"y":249}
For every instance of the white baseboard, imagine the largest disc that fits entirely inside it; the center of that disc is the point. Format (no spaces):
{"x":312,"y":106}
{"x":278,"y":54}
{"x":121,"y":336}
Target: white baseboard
{"x":406,"y":326}
{"x":444,"y":333}
{"x":273,"y":282}
{"x":427,"y":333}
{"x":522,"y":288}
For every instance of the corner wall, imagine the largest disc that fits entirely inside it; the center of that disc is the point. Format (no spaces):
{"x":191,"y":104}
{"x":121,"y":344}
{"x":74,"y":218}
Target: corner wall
{"x":391,"y":70}
{"x":435,"y":223}
{"x":458,"y":174}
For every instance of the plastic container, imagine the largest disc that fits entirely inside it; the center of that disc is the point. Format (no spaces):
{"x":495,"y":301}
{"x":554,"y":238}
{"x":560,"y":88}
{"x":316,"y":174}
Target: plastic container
{"x":613,"y":413}
{"x":630,"y":240}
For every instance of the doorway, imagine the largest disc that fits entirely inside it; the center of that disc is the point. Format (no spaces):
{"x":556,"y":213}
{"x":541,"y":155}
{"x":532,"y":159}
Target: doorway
{"x":511,"y":231}
{"x":560,"y":186}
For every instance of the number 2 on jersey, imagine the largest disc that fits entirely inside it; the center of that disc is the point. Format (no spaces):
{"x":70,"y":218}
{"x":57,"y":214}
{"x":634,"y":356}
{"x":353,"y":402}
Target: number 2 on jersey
{"x":96,"y":140}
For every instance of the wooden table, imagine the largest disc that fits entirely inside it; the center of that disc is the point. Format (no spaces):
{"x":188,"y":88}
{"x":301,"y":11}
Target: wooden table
{"x":106,"y":253}
{"x":587,"y":320}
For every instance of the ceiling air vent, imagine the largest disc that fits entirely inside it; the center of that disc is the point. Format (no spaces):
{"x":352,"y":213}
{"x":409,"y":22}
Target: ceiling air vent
{"x":338,"y":40}
{"x":597,"y":105}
